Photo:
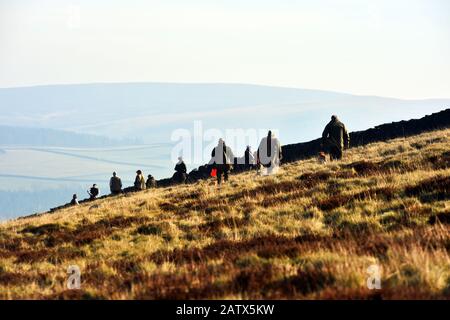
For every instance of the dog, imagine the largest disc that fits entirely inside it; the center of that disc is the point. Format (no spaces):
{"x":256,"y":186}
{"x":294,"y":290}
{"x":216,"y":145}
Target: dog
{"x":322,"y":158}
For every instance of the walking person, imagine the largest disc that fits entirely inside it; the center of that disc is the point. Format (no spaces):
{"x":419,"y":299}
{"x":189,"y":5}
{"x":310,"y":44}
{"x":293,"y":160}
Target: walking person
{"x":249,"y":159}
{"x":269,"y":154}
{"x":222,"y":160}
{"x":335,"y":138}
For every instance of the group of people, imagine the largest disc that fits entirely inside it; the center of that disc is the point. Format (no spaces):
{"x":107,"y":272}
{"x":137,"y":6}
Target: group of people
{"x":115,"y":186}
{"x":335,"y":139}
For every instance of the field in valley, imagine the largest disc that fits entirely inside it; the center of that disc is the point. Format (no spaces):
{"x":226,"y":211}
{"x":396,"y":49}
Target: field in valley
{"x":310,"y":232}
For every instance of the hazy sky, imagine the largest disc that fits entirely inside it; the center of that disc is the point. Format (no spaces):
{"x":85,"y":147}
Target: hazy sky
{"x":397,"y":48}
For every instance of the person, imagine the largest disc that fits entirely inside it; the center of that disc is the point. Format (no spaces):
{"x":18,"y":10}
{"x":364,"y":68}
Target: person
{"x":74,"y":200}
{"x":249,"y":159}
{"x":139,"y":181}
{"x":93,"y":192}
{"x":115,"y":184}
{"x":180,"y":175}
{"x":269,"y":154}
{"x":335,"y":138}
{"x":222,"y":158}
{"x":151,"y":182}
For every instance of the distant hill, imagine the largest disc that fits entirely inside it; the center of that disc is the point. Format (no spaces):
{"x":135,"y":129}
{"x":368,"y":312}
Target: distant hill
{"x":23,"y":136}
{"x":151,"y":111}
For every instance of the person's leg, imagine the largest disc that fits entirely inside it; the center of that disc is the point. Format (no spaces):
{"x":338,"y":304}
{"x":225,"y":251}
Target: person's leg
{"x":225,"y":175}
{"x":334,"y":153}
{"x":332,"y":156}
{"x":339,"y":153}
{"x":219,"y":175}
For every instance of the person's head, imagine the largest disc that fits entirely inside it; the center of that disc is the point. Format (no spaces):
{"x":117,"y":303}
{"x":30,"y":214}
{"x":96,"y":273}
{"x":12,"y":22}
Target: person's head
{"x":74,"y":196}
{"x":334,"y":117}
{"x":180,"y":159}
{"x":114,"y":174}
{"x":269,"y":134}
{"x":249,"y":148}
{"x":94,"y":185}
{"x":139,"y":172}
{"x":221,"y":142}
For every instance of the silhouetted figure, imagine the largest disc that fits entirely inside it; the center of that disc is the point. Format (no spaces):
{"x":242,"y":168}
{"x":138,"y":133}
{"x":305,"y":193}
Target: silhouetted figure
{"x":93,"y":192}
{"x":139,"y":181}
{"x":335,"y":138}
{"x":222,"y":159}
{"x":180,"y":175}
{"x":74,"y":200}
{"x":151,"y":182}
{"x":115,"y":184}
{"x":269,"y":154}
{"x":249,"y":159}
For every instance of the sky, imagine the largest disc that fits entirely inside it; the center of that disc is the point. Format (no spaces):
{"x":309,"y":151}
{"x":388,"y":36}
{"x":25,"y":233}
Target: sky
{"x":392,"y":48}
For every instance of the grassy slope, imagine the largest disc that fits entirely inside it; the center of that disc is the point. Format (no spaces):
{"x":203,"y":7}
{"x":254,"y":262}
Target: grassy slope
{"x":309,"y":232}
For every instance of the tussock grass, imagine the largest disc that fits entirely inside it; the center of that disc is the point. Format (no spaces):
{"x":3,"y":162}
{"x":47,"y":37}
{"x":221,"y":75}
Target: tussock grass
{"x":309,"y":232}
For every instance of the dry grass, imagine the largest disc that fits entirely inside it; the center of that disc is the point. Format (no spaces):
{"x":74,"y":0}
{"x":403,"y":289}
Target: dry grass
{"x":310,"y":232}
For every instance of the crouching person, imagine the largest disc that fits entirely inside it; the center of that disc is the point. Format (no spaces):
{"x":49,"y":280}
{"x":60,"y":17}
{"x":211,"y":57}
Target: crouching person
{"x":93,"y":192}
{"x":74,"y":201}
{"x":151,"y":182}
{"x":180,"y":175}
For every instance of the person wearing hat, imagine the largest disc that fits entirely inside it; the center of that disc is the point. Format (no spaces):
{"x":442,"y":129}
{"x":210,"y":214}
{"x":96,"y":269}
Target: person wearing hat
{"x":335,"y":138}
{"x":115,"y":184}
{"x":139,"y":182}
{"x":93,"y":192}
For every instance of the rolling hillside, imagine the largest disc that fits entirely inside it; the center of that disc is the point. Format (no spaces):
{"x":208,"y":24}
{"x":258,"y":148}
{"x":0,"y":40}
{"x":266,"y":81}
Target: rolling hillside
{"x":310,"y":232}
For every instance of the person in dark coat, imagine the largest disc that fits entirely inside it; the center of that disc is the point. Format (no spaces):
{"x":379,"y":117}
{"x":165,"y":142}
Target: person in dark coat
{"x":93,"y":192}
{"x":335,"y":138}
{"x":180,"y":175}
{"x":249,"y":159}
{"x":74,"y":200}
{"x":222,"y":160}
{"x":151,"y":182}
{"x":115,"y":184}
